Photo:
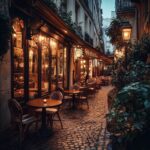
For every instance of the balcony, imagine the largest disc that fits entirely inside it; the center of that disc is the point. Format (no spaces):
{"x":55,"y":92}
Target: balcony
{"x":125,"y":8}
{"x":135,"y":1}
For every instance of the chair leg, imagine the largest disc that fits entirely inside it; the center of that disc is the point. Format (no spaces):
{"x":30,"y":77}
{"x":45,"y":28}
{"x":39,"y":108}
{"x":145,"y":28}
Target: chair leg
{"x":50,"y":117}
{"x":87,"y":103}
{"x":21,"y":136}
{"x":60,"y":120}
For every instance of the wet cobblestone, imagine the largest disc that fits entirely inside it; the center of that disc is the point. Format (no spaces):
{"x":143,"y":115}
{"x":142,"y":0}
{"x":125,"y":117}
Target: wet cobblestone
{"x":83,"y":129}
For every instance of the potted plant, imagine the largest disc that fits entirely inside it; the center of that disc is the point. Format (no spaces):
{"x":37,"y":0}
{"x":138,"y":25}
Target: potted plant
{"x":129,"y":118}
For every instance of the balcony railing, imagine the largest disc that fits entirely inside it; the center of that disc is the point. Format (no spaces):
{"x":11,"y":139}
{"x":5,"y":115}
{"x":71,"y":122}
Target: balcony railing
{"x":122,"y":5}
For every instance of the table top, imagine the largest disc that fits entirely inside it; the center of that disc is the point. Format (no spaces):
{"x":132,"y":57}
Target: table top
{"x":72,"y":91}
{"x":39,"y":103}
{"x":36,"y":89}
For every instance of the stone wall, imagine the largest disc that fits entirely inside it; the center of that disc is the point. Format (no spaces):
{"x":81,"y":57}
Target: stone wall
{"x":5,"y":77}
{"x":5,"y":90}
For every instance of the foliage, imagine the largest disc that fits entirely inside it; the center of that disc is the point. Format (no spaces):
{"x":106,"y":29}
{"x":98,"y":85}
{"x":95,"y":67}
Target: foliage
{"x":65,"y":16}
{"x":115,"y":34}
{"x":77,"y":29}
{"x":137,"y":71}
{"x":5,"y":32}
{"x":130,"y":112}
{"x":141,"y":49}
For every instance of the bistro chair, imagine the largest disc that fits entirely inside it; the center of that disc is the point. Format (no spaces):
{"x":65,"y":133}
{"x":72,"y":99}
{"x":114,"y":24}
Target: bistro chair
{"x":67,"y":98}
{"x":83,"y":97}
{"x":52,"y":112}
{"x":20,"y":120}
{"x":75,"y":87}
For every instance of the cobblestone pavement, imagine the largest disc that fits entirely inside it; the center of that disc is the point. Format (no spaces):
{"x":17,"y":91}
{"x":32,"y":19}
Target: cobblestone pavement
{"x":83,"y":129}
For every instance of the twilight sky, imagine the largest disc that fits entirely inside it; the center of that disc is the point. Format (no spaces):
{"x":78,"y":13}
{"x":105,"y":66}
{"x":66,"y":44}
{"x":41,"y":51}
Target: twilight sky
{"x":108,"y":6}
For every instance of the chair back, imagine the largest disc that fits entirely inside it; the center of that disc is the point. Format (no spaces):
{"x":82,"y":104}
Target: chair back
{"x":56,"y":95}
{"x":76,"y":87}
{"x":15,"y":110}
{"x":60,"y":89}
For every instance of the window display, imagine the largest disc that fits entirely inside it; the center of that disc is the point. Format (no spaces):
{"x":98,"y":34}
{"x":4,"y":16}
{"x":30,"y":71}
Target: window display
{"x":45,"y":65}
{"x":18,"y":57}
{"x":33,"y":69}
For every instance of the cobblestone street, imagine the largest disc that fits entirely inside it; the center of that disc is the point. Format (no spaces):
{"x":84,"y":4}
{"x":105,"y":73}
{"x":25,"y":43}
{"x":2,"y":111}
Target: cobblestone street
{"x":83,"y":129}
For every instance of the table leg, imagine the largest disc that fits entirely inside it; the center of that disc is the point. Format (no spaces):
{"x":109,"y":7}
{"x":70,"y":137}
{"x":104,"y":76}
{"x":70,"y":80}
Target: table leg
{"x":73,"y":101}
{"x":43,"y":125}
{"x":44,"y":130}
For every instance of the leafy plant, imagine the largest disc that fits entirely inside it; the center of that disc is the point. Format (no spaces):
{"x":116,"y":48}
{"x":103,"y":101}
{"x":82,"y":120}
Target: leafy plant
{"x":115,"y":34}
{"x":65,"y":16}
{"x":141,"y":49}
{"x":130,"y":112}
{"x":137,"y":71}
{"x":5,"y":32}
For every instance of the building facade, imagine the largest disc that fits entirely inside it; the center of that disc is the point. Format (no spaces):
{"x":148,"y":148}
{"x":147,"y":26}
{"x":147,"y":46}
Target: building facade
{"x":45,"y":52}
{"x":108,"y":47}
{"x":137,"y":13}
{"x":126,"y":10}
{"x":143,"y":16}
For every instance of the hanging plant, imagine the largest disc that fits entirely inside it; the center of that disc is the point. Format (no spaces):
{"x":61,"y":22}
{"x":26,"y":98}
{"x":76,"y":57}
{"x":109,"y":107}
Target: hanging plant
{"x":5,"y":32}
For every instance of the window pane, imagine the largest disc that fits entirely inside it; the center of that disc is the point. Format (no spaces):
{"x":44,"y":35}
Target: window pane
{"x":33,"y":69}
{"x":54,"y":47}
{"x":45,"y":65}
{"x":18,"y":59}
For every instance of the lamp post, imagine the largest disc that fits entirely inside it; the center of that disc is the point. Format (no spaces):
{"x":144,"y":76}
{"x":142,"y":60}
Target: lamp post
{"x":126,"y":36}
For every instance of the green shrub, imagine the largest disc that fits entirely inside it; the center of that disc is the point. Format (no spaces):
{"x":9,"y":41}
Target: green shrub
{"x":130,"y":111}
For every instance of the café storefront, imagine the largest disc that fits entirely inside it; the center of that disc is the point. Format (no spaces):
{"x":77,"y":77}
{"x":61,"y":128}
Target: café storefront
{"x":41,"y":52}
{"x":39,"y":57}
{"x":86,"y":63}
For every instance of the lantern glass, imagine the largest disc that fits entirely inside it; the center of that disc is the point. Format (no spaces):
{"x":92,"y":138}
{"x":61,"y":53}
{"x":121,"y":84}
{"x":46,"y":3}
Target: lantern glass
{"x":126,"y":34}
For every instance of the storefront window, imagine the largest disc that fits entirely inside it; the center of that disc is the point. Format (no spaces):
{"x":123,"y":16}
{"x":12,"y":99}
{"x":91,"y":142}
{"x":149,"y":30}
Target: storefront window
{"x":60,"y":65}
{"x":45,"y":65}
{"x":65,"y":68}
{"x":90,"y":69}
{"x":83,"y":68}
{"x":33,"y":69}
{"x":54,"y":47}
{"x":18,"y":58}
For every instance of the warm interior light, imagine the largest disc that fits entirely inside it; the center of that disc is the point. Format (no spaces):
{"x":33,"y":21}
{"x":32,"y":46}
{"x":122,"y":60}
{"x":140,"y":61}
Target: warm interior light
{"x":41,"y":38}
{"x":14,"y":35}
{"x":46,"y":65}
{"x":126,"y":34}
{"x":30,"y":53}
{"x":65,"y":31}
{"x":53,"y":43}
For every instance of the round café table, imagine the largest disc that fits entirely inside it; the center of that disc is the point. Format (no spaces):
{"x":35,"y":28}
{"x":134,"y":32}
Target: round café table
{"x":73,"y":93}
{"x":39,"y":103}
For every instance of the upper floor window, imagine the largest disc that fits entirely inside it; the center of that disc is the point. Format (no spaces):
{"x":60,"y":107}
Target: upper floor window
{"x":77,"y":7}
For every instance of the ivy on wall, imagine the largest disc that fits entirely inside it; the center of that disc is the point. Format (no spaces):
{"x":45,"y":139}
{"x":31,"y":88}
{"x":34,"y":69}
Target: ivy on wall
{"x":65,"y":16}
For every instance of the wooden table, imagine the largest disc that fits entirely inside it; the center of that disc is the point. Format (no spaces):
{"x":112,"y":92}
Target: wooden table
{"x":73,"y":93}
{"x":39,"y":103}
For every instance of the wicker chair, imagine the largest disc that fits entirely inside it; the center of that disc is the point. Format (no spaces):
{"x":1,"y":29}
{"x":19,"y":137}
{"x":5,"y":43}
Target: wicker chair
{"x":83,"y":97}
{"x":66,"y":97}
{"x":22,"y":121}
{"x":52,"y":112}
